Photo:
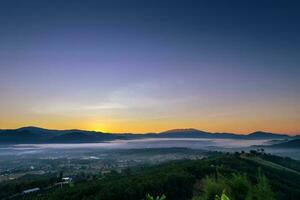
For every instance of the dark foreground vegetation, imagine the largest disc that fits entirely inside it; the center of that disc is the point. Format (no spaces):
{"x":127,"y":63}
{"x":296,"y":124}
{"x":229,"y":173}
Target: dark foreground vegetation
{"x":239,"y":176}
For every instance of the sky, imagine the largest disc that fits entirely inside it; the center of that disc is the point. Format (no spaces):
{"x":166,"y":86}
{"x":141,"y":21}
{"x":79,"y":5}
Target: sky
{"x":149,"y":66}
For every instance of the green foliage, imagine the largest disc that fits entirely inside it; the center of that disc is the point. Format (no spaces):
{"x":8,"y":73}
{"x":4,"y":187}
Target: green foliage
{"x":211,"y":187}
{"x":223,"y":197}
{"x":149,"y":197}
{"x":238,"y":186}
{"x":184,"y":180}
{"x":262,"y":191}
{"x":283,"y":161}
{"x":241,"y":186}
{"x":9,"y":188}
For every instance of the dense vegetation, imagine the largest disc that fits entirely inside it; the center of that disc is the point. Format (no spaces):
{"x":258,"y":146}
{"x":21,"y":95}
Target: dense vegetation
{"x":239,"y":176}
{"x":25,"y":182}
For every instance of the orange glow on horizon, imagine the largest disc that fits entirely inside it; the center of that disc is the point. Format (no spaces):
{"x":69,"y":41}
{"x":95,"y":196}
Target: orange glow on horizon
{"x":157,"y":126}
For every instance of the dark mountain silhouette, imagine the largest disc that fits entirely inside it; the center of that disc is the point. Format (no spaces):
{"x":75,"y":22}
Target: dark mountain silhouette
{"x":289,"y":144}
{"x":202,"y":134}
{"x":266,"y":135}
{"x":195,"y":133}
{"x":40,"y":135}
{"x":183,"y":133}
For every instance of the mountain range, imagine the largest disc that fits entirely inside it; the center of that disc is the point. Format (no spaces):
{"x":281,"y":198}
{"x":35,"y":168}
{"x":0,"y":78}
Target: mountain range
{"x":288,"y":144}
{"x":39,"y":135}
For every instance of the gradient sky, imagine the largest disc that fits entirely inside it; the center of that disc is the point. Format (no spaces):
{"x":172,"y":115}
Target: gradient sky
{"x":148,"y":66}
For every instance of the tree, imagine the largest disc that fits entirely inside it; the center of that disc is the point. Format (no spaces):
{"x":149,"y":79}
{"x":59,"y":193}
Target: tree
{"x":262,"y":191}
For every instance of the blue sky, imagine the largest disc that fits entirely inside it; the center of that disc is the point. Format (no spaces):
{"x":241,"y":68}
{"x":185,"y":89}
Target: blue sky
{"x":142,"y":66}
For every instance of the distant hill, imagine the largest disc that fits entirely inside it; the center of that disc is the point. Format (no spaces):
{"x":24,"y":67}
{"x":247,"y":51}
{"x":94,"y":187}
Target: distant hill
{"x":184,"y":133}
{"x":194,"y":133}
{"x":266,"y":135}
{"x":39,"y":135}
{"x":289,"y":144}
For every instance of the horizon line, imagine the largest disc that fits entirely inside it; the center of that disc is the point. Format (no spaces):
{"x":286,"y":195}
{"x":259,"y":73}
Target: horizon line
{"x":149,"y":132}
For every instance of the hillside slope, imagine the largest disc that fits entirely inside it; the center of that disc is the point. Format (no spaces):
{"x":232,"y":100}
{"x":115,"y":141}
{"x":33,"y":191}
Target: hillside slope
{"x":180,"y":180}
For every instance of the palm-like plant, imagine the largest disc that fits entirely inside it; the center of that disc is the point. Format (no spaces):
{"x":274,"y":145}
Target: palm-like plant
{"x":223,"y":197}
{"x":149,"y":197}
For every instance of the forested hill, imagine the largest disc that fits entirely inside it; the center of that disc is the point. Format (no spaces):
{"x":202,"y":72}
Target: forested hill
{"x":241,"y":176}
